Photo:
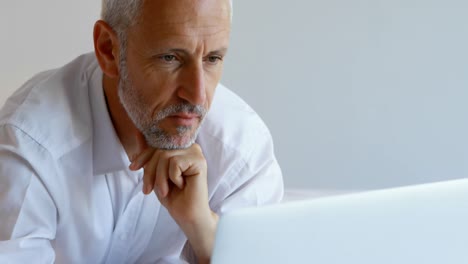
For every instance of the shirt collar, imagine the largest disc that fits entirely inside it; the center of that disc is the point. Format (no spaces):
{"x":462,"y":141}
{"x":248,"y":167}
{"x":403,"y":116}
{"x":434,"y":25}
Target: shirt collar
{"x":108,"y":152}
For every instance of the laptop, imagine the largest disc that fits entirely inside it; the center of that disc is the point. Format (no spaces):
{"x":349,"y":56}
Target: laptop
{"x":417,"y":224}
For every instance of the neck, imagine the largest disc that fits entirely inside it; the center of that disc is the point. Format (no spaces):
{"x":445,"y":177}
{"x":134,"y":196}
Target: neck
{"x":129,"y":136}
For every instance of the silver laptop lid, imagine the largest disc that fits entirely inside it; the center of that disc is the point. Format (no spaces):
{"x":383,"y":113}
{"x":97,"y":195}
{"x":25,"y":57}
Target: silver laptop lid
{"x":417,"y":224}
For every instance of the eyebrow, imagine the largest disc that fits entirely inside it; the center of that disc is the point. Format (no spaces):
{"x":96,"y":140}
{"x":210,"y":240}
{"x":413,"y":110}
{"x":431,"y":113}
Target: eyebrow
{"x":222,"y":51}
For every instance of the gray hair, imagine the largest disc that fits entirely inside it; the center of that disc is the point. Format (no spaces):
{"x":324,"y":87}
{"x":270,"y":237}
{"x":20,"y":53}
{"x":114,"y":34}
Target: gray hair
{"x":121,"y":14}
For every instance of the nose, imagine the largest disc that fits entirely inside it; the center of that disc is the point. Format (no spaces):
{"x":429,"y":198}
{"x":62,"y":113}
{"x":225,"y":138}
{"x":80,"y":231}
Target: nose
{"x":192,"y":87}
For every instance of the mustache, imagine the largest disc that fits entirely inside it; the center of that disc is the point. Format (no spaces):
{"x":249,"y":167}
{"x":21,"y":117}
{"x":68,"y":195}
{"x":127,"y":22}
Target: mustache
{"x":181,"y":108}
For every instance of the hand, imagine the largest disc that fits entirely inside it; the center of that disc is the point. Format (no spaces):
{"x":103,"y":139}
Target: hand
{"x":179,"y":179}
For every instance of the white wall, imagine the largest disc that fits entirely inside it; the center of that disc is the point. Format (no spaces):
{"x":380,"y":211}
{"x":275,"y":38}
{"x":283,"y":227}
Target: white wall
{"x":357,"y":93}
{"x":39,"y":35}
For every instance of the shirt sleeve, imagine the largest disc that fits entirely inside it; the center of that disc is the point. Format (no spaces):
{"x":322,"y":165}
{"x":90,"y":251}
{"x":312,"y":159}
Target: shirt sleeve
{"x":28,"y":215}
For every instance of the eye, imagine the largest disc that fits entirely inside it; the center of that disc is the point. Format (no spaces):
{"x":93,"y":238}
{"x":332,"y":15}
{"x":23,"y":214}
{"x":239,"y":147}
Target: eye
{"x":214,"y":59}
{"x":168,"y":58}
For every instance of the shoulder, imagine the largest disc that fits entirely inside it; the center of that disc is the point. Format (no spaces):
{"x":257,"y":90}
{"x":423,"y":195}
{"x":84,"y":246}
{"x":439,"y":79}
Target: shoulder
{"x":53,"y":106}
{"x":233,"y":123}
{"x":242,"y":167}
{"x":233,"y":137}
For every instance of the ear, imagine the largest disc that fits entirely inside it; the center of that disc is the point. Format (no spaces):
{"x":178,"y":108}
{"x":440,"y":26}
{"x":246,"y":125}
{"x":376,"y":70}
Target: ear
{"x":106,"y":48}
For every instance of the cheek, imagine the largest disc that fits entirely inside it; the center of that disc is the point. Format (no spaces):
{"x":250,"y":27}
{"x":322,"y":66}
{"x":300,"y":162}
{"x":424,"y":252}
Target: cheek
{"x":151,"y":84}
{"x":155,"y":88}
{"x":212,"y":81}
{"x":210,"y":92}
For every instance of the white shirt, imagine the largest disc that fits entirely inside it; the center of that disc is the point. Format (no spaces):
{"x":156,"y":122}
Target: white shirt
{"x":67,"y":195}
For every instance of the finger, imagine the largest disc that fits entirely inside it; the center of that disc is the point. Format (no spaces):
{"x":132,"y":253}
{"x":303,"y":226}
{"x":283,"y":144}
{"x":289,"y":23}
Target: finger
{"x":175,"y":171}
{"x":140,"y":142}
{"x":150,"y":173}
{"x":142,"y":159}
{"x":162,"y":184}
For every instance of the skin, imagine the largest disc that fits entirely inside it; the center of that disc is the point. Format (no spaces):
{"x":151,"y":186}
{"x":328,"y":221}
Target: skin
{"x":174,"y":55}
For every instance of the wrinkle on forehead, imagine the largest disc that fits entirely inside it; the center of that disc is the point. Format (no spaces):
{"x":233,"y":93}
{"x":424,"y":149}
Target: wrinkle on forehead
{"x":176,"y":12}
{"x":166,"y":25}
{"x":193,"y":32}
{"x":184,"y":18}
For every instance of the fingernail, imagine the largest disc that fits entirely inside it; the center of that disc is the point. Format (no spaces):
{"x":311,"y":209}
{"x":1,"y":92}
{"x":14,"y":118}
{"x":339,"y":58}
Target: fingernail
{"x":145,"y":190}
{"x":148,"y":189}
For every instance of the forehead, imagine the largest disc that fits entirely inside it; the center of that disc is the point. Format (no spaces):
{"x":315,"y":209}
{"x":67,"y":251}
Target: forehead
{"x":184,"y":17}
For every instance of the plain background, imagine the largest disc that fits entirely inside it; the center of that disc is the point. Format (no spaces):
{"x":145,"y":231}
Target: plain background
{"x":358,"y":94}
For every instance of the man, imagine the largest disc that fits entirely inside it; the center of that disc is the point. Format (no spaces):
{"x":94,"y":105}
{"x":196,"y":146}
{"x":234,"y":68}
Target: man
{"x":83,"y":147}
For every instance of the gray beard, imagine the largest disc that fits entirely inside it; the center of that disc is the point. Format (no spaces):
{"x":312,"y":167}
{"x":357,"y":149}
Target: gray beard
{"x":149,"y":126}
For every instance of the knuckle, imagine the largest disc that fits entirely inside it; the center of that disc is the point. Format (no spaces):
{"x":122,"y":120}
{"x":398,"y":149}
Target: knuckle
{"x":175,"y":162}
{"x":196,"y":147}
{"x":164,"y":155}
{"x":174,"y":159}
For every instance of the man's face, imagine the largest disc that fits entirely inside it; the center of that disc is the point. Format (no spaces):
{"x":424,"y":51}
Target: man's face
{"x":172,"y":66}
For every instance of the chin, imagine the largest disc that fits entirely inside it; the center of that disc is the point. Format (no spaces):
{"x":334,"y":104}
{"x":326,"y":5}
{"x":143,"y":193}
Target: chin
{"x":182,"y":142}
{"x":171,"y":141}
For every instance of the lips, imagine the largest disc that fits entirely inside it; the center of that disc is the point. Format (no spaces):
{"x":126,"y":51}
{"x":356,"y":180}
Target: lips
{"x":185,"y":116}
{"x":185,"y":119}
